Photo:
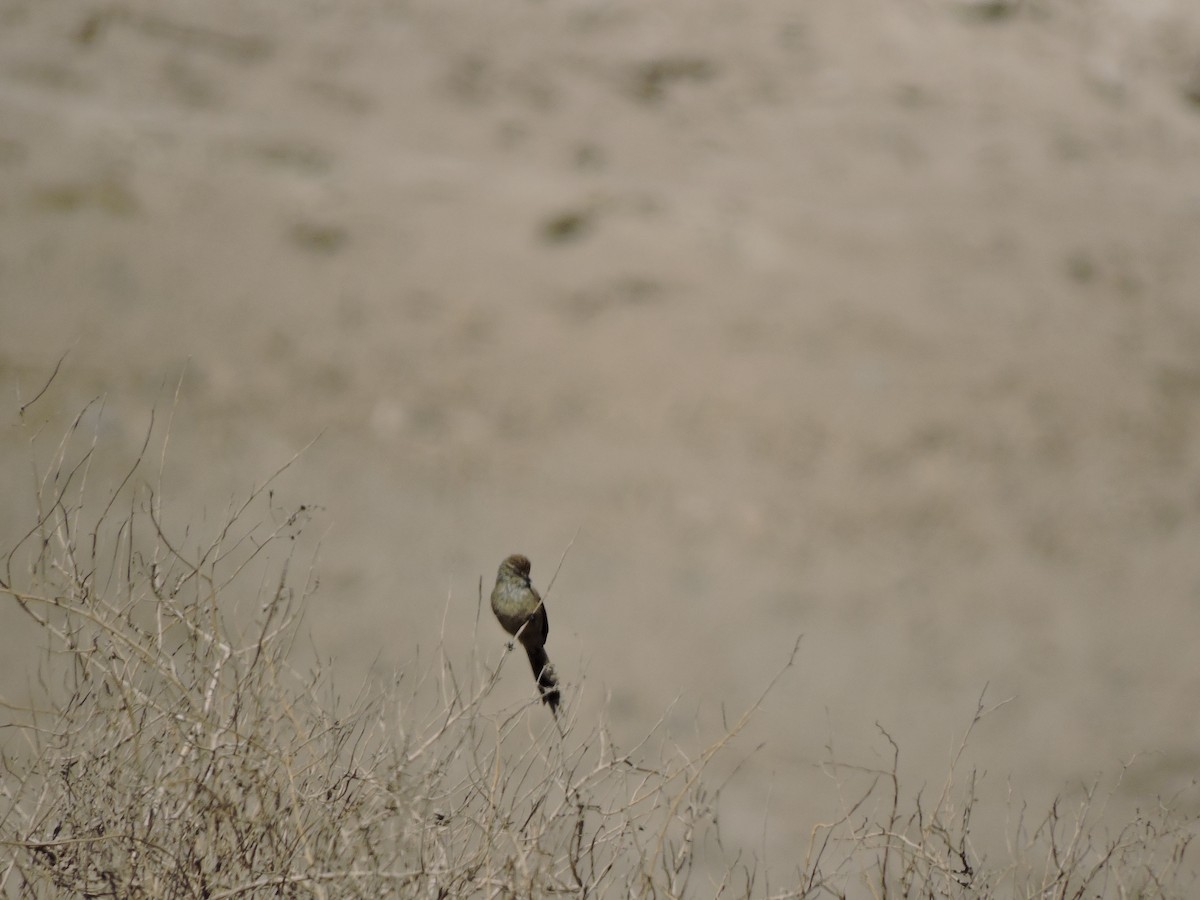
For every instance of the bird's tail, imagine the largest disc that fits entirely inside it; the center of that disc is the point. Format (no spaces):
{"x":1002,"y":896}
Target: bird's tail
{"x":547,"y":680}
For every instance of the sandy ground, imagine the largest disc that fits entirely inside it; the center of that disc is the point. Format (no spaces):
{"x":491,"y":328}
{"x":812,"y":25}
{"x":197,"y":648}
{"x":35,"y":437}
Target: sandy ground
{"x":873,"y":321}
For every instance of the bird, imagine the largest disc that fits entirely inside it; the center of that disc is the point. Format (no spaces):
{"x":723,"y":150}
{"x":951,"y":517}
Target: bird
{"x":520,"y":611}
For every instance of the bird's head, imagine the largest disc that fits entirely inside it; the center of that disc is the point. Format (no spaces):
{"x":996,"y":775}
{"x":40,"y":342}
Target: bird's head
{"x":516,"y":565}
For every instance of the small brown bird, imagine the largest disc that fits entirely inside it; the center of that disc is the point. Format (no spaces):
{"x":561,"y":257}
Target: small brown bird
{"x":520,"y":610}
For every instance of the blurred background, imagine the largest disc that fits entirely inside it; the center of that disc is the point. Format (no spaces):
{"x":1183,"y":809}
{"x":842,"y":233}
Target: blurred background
{"x":874,"y":321}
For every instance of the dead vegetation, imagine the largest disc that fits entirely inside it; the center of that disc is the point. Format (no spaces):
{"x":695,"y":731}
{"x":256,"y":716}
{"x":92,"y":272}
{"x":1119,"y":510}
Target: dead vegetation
{"x":173,"y":748}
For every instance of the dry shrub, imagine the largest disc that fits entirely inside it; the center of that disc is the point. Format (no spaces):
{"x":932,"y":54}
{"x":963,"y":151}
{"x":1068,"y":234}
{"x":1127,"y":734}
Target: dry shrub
{"x":881,"y":846}
{"x":174,"y":749}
